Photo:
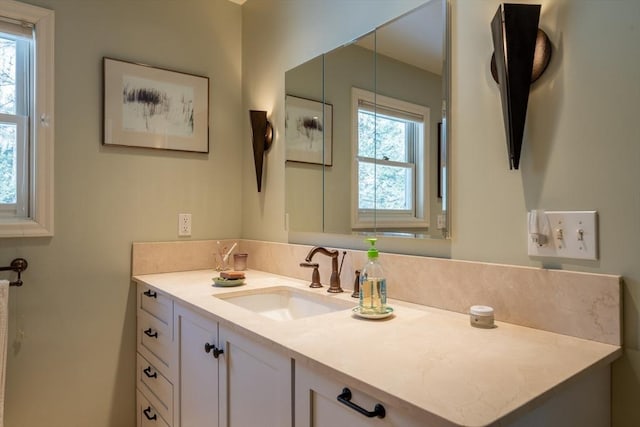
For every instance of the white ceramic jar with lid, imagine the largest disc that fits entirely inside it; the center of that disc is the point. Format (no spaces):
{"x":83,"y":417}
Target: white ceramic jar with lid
{"x":481,"y":316}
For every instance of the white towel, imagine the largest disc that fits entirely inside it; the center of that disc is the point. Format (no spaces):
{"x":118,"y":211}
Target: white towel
{"x":4,"y":323}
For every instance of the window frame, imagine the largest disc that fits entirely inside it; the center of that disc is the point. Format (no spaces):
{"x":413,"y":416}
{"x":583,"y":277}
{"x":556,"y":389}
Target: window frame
{"x":368,"y":219}
{"x":39,"y":220}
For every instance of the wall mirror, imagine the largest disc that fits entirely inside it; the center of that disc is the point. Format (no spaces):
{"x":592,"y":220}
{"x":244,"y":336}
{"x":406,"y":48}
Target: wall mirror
{"x":366,"y":132}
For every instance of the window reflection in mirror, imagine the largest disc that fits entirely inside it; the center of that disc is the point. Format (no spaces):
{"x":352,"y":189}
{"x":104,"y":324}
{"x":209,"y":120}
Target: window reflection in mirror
{"x":386,"y":91}
{"x":390,"y":180}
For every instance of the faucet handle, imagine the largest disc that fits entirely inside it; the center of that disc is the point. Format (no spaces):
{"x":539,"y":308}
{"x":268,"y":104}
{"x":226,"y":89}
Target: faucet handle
{"x":315,"y":276}
{"x":356,"y":286}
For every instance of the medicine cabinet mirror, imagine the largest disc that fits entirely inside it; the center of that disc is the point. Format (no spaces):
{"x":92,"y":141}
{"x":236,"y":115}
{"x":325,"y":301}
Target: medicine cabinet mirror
{"x":366,"y":132}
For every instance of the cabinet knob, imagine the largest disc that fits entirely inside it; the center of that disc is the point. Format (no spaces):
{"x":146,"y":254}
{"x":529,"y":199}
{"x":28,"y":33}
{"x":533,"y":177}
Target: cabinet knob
{"x":149,"y":332}
{"x":151,"y":294}
{"x":147,"y":413}
{"x":211,"y":347}
{"x":149,"y":374}
{"x":345,"y":398}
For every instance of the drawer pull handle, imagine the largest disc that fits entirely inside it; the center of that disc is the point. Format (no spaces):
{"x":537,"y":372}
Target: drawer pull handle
{"x":147,"y":372}
{"x":345,"y":398}
{"x":147,"y":413}
{"x":216,"y":351}
{"x":149,"y":332}
{"x":151,"y":294}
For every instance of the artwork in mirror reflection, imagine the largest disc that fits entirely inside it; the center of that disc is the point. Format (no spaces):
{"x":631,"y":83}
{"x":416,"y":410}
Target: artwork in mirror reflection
{"x":308,"y":131}
{"x":387,"y":107}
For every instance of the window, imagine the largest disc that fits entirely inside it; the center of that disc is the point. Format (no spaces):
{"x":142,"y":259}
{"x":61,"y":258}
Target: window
{"x":390,"y":146}
{"x":26,"y":134}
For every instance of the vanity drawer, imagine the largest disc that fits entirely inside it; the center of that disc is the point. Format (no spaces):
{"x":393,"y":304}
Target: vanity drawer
{"x":155,"y":337}
{"x":323,"y":401}
{"x":147,"y":414}
{"x":156,"y":387}
{"x":155,"y":303}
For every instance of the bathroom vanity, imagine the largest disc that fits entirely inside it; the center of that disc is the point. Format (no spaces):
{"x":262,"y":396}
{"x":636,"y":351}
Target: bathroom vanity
{"x":205,"y":358}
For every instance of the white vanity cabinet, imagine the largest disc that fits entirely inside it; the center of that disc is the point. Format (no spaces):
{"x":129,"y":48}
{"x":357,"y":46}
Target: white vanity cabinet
{"x":255,"y":383}
{"x":199,"y":362}
{"x":155,"y":366}
{"x":317,"y":404}
{"x":584,"y":403}
{"x":227,"y":379}
{"x":203,"y":363}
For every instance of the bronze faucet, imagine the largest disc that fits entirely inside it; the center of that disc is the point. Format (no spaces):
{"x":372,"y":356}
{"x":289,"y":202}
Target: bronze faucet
{"x":334,"y":282}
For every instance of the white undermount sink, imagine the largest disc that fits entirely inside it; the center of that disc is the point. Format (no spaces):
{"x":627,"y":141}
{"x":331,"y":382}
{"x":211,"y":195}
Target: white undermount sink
{"x":285,"y":303}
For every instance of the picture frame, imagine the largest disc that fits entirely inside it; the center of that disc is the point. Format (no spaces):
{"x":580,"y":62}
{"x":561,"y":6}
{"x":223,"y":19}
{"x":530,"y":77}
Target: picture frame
{"x":150,"y":107}
{"x":308,"y":131}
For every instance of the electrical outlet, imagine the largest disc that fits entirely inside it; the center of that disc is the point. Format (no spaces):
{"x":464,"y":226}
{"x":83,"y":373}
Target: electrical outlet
{"x":184,"y":224}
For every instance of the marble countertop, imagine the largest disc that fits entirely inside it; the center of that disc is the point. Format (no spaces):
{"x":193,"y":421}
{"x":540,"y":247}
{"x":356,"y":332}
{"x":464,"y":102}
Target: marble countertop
{"x":428,"y":362}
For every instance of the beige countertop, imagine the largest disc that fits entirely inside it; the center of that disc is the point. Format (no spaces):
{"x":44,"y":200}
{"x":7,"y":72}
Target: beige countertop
{"x":428,"y":362}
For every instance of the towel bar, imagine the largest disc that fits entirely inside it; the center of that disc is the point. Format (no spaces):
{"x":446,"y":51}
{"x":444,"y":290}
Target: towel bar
{"x":18,"y":265}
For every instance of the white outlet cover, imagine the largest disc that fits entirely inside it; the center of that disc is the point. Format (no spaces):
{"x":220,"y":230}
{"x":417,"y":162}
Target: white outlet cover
{"x":579,"y":230}
{"x":184,"y":224}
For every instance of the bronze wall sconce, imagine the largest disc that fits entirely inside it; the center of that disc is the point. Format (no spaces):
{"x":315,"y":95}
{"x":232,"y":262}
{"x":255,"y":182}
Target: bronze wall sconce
{"x":521,"y":54}
{"x":262,"y":139}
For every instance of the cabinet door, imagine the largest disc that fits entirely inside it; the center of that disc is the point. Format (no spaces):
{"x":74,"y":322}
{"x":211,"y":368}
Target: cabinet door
{"x":255,"y":384}
{"x":198,"y":370}
{"x":316,"y":405}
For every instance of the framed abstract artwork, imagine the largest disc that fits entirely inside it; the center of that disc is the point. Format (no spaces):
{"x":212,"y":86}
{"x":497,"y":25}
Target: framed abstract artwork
{"x":151,"y":107}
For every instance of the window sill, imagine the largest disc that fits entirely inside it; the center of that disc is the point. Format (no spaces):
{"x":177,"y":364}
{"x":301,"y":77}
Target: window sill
{"x":24,"y":228}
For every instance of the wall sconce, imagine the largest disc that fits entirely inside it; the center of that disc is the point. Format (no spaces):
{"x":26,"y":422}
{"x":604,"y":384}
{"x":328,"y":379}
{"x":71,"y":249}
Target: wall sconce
{"x":521,"y":54}
{"x":262,"y":139}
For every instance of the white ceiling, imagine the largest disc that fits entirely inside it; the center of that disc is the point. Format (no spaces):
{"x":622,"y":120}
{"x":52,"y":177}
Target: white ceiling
{"x":416,"y":38}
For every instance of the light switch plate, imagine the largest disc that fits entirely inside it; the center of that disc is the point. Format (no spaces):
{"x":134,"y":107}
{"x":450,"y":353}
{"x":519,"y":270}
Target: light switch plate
{"x":572,"y":234}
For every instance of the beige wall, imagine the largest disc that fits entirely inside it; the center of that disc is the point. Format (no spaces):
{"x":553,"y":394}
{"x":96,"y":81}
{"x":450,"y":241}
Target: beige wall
{"x":71,"y":358}
{"x":72,"y":336}
{"x":580,"y":152}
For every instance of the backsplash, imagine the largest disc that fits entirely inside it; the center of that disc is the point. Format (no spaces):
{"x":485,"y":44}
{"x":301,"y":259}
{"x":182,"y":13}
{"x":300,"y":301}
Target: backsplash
{"x":583,"y":305}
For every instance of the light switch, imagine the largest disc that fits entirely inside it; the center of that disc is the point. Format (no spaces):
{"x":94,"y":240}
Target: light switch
{"x":574,"y":234}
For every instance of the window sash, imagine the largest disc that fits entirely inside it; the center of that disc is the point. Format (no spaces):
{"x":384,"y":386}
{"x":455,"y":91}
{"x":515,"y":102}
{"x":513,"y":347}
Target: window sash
{"x":20,"y":208}
{"x":22,"y":36}
{"x":409,"y":190}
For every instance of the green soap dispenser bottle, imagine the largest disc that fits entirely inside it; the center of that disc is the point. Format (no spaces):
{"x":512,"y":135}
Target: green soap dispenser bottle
{"x":373,"y":285}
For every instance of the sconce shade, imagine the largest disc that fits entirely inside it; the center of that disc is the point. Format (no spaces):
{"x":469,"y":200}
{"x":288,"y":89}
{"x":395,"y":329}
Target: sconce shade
{"x":515,"y":29}
{"x":262,"y":139}
{"x":541,"y":58}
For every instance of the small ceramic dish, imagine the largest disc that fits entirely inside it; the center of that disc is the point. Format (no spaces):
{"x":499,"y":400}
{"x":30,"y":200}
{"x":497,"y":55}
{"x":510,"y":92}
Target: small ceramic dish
{"x":225,"y":283}
{"x":388,"y":311}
